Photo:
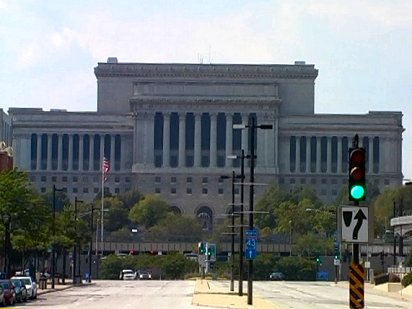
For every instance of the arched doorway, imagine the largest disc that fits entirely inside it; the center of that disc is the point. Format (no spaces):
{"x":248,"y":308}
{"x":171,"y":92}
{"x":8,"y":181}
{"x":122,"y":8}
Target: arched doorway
{"x":205,"y":217}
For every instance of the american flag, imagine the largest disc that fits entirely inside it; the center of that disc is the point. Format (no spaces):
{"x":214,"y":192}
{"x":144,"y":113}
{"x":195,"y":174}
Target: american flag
{"x":106,"y":168}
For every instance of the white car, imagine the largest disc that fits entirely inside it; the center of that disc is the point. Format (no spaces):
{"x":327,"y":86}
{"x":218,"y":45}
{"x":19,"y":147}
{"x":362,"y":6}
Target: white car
{"x":31,"y":286}
{"x":127,"y":274}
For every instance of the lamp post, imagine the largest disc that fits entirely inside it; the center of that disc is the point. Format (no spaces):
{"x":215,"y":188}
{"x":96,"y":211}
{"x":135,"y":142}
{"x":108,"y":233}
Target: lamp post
{"x":91,"y":243}
{"x":6,"y":221}
{"x":232,"y":247}
{"x":252,"y":129}
{"x":242,"y":180}
{"x":53,"y":261}
{"x":76,"y":247}
{"x":290,"y":237}
{"x":252,"y":126}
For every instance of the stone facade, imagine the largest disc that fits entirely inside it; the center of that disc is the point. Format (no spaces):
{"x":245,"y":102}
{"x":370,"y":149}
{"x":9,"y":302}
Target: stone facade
{"x":168,"y":129}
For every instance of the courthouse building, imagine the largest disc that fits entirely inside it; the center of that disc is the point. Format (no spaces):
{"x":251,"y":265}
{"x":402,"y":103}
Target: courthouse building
{"x":168,"y":129}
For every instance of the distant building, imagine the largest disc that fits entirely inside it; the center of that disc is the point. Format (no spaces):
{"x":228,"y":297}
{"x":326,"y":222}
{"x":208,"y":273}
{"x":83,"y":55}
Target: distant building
{"x":168,"y":129}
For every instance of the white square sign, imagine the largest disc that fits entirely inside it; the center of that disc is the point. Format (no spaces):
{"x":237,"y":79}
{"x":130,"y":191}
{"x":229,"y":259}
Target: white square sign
{"x":355,"y":224}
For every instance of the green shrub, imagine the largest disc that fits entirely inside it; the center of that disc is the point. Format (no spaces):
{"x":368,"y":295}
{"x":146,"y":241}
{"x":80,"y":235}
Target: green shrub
{"x":407,"y":280}
{"x":394,"y":278}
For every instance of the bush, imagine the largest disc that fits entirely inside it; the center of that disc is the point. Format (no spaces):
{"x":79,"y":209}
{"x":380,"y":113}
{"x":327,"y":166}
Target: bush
{"x":407,"y":280}
{"x":394,"y":278}
{"x":382,"y":278}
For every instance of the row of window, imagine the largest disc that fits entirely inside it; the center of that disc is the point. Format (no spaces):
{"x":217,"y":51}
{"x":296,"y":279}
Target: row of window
{"x":84,"y":190}
{"x":75,"y":179}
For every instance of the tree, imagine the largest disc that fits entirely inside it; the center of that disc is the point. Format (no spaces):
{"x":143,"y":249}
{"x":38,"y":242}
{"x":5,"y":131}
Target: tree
{"x":117,"y":215}
{"x":29,"y":217}
{"x":176,"y":227}
{"x":268,"y":204}
{"x":130,"y":198}
{"x":149,"y":211}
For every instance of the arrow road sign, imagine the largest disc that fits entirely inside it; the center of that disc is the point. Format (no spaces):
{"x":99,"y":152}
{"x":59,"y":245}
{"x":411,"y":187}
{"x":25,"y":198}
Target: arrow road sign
{"x":355,"y":224}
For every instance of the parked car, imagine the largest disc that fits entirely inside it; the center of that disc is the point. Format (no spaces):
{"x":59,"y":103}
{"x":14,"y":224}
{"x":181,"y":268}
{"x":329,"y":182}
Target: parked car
{"x":277,"y":276}
{"x":2,"y":301}
{"x":144,"y":275}
{"x":127,"y":274}
{"x":21,"y":290}
{"x":31,"y":286}
{"x":9,"y":292}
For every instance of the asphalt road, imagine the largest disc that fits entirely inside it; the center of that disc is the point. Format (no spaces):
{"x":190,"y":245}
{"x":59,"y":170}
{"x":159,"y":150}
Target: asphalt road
{"x":179,"y":294}
{"x":120,"y":294}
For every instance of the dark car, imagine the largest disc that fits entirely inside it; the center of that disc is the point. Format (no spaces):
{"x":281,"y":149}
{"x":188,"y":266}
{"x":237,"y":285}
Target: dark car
{"x":277,"y":276}
{"x":144,"y":275}
{"x":21,"y":290}
{"x":9,"y":292}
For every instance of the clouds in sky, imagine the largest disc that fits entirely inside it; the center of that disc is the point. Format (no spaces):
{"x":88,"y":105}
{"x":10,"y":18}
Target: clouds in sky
{"x":362,"y":48}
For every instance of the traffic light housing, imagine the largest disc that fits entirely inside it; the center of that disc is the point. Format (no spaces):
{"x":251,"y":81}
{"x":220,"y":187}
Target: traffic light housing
{"x":318,"y":260}
{"x":201,"y":248}
{"x":211,"y":252}
{"x":357,"y":174}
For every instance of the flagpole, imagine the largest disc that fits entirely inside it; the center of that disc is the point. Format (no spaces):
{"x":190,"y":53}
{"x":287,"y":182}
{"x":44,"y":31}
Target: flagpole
{"x":102,"y":212}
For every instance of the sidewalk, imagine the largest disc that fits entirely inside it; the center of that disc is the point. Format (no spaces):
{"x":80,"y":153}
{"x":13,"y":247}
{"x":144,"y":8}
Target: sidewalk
{"x":58,"y":286}
{"x":209,"y":295}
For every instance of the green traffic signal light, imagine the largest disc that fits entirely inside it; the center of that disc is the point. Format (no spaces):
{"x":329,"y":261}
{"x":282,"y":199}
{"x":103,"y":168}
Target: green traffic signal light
{"x":357,"y":192}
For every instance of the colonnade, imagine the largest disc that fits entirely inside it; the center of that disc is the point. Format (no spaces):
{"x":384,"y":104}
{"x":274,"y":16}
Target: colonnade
{"x":329,"y":154}
{"x":147,"y":123}
{"x":73,"y":151}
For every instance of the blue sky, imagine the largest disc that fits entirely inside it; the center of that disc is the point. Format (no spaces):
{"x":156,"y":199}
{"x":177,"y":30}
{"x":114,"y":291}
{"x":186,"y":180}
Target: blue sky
{"x":362,"y":48}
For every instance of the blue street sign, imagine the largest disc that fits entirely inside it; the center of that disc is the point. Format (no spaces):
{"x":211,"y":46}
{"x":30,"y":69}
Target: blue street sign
{"x":250,"y":254}
{"x":251,"y":244}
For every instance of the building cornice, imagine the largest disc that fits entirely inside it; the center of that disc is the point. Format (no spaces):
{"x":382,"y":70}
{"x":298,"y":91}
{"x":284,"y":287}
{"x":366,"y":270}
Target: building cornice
{"x":216,"y":71}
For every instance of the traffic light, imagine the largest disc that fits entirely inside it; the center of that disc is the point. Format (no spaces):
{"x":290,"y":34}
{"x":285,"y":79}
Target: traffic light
{"x":318,"y":260}
{"x":357,"y":174}
{"x":337,"y":251}
{"x":201,"y":248}
{"x":211,"y":252}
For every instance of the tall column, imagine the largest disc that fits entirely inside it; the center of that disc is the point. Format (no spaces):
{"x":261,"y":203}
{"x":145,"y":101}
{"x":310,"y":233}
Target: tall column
{"x":318,"y":154}
{"x":49,"y":152}
{"x":308,"y":158}
{"x":245,"y":142}
{"x":370,"y":156}
{"x":148,"y":140}
{"x":81,"y":151}
{"x":198,"y":139}
{"x":59,"y":152}
{"x":182,"y":139}
{"x":229,"y":139}
{"x":166,"y":139}
{"x":38,"y":161}
{"x":91,"y":152}
{"x":70,"y":158}
{"x":101,"y":152}
{"x":123,"y":152}
{"x":112,"y":136}
{"x":339,"y":162}
{"x":329,"y":155}
{"x":297,"y":170}
{"x":213,"y":139}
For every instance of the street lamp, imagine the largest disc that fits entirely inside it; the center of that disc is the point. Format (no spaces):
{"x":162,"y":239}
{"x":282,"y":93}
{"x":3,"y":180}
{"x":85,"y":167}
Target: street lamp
{"x":232,"y":248}
{"x":290,"y":237}
{"x":6,"y":221}
{"x":242,"y":179}
{"x":252,"y":126}
{"x":53,"y":262}
{"x":76,"y":244}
